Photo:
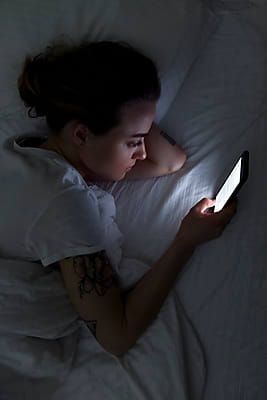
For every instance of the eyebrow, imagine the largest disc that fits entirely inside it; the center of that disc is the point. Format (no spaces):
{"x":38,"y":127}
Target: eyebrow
{"x":140,"y":135}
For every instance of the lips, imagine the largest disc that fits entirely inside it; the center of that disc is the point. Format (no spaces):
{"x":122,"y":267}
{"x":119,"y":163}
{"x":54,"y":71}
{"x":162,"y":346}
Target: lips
{"x":131,"y":166}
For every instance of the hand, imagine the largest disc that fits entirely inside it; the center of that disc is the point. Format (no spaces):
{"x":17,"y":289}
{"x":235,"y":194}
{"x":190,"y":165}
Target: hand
{"x":199,"y":226}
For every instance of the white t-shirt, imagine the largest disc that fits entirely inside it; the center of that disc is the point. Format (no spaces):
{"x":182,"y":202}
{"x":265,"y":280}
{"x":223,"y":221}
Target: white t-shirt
{"x":48,"y":212}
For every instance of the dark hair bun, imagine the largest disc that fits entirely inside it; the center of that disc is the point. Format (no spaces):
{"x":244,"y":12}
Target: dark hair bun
{"x":30,"y":84}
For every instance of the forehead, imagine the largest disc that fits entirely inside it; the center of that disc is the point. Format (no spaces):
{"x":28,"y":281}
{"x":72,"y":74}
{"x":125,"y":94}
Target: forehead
{"x":137,"y":118}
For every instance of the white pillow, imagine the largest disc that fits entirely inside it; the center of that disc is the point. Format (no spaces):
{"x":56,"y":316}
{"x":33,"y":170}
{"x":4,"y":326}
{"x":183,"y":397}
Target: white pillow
{"x":171,"y":32}
{"x":223,"y":95}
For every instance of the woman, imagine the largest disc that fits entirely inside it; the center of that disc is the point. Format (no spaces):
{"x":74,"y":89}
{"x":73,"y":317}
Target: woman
{"x":97,"y":98}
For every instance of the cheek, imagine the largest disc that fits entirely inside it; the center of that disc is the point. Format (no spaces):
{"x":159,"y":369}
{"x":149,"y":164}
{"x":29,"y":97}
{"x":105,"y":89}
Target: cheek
{"x":118,"y":157}
{"x":123,"y":157}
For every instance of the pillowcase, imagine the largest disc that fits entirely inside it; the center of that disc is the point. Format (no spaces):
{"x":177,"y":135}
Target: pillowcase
{"x":224,"y":94}
{"x":171,"y":32}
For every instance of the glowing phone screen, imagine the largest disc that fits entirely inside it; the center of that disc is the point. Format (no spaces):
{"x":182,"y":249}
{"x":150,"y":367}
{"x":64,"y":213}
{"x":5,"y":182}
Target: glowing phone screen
{"x":229,"y":187}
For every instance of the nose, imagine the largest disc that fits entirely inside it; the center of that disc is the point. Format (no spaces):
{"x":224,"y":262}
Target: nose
{"x":140,"y":153}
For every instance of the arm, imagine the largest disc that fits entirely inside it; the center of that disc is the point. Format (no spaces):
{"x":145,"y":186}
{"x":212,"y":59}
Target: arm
{"x":163,"y":150}
{"x":164,"y":156}
{"x":116,"y":318}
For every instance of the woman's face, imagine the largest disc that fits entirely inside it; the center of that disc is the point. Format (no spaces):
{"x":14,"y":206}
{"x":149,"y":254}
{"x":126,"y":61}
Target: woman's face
{"x":109,"y":157}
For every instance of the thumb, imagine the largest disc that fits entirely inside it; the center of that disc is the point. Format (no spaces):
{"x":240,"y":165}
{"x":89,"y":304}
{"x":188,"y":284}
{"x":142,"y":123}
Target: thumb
{"x":203,"y":204}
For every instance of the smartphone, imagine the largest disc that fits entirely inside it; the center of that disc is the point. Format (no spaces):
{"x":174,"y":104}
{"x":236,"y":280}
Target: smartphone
{"x":233,"y":183}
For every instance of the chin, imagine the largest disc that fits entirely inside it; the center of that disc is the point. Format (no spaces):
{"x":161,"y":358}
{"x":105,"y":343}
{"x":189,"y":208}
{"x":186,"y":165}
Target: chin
{"x":120,"y":178}
{"x":109,"y":178}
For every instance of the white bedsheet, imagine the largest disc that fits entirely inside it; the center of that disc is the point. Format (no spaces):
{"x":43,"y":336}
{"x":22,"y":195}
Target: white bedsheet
{"x":211,"y":333}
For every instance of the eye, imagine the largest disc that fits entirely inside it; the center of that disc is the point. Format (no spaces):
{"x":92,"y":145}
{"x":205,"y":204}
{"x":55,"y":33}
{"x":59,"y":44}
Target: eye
{"x":135,"y":144}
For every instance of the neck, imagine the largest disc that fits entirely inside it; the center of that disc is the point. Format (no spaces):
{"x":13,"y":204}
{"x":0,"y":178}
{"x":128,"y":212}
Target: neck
{"x":88,"y":175}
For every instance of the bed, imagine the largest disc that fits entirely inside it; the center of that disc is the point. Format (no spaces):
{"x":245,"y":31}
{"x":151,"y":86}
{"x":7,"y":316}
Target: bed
{"x":209,"y":340}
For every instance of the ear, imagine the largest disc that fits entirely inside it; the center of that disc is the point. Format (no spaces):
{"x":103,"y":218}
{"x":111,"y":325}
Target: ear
{"x":81,"y":133}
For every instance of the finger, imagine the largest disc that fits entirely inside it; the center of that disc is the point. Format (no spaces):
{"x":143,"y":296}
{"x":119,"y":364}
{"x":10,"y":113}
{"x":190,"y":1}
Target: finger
{"x":204,"y":204}
{"x":233,"y":202}
{"x":228,"y":213}
{"x":231,"y":208}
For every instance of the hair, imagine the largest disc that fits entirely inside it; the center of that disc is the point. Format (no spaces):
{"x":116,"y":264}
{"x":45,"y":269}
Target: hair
{"x":88,"y":82}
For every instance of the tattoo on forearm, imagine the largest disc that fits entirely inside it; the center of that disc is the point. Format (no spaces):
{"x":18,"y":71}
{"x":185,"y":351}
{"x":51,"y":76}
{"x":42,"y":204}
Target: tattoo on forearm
{"x":168,"y":138}
{"x":91,"y":325}
{"x":95,"y":273}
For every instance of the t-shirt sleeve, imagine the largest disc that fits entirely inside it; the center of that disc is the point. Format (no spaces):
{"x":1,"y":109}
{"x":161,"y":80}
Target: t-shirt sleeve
{"x":69,"y":226}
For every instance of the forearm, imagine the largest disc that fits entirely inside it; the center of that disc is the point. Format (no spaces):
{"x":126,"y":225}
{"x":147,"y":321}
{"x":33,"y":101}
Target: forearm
{"x":163,"y":150}
{"x":143,"y":302}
